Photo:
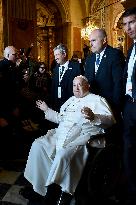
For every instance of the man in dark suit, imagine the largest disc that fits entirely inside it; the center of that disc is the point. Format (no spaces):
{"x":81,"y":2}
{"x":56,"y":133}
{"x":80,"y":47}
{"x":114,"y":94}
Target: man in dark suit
{"x":63,"y":75}
{"x":104,"y":70}
{"x":8,"y":84}
{"x":9,"y":100}
{"x":129,"y":114}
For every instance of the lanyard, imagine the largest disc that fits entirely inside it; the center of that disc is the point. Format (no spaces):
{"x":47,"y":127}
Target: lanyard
{"x":61,"y":75}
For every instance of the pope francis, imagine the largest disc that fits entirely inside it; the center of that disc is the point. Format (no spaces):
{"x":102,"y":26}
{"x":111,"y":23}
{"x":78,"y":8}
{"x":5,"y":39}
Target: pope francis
{"x":60,"y":156}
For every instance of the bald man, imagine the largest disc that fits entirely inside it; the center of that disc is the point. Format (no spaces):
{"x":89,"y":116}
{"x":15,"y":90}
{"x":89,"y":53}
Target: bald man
{"x":56,"y":157}
{"x":7,"y":80}
{"x":8,"y":98}
{"x":10,"y":54}
{"x":104,"y":70}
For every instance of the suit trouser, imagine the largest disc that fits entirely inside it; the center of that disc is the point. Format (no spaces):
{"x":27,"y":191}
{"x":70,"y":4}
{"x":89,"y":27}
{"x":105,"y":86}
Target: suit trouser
{"x":129,"y":137}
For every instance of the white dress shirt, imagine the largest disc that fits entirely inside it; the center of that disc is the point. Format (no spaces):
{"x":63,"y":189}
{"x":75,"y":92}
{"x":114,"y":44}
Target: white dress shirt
{"x":131,"y":63}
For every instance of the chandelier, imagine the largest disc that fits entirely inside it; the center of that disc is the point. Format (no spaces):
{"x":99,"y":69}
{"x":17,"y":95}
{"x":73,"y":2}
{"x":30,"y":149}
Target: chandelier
{"x":85,"y":32}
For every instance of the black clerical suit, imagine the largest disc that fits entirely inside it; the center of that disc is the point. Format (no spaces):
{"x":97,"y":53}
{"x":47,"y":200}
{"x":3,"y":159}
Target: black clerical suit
{"x":129,"y":116}
{"x":9,"y":100}
{"x":9,"y":87}
{"x":66,"y":84}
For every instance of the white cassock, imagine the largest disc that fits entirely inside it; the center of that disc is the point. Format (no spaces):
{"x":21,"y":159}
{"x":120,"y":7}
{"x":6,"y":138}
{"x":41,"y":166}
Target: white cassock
{"x":60,"y":155}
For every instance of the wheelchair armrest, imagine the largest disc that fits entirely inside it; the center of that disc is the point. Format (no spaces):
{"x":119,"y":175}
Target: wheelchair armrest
{"x":101,"y":140}
{"x":98,"y":141}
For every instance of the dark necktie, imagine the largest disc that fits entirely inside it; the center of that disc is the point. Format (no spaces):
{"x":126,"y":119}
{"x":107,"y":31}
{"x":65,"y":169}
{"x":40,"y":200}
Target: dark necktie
{"x":61,"y":70}
{"x":97,"y":59}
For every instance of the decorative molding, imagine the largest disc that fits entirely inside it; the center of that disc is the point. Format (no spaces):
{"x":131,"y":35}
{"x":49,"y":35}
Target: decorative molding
{"x":97,"y":13}
{"x":64,"y":7}
{"x":44,"y":18}
{"x":96,"y":5}
{"x":119,"y":36}
{"x":117,"y":22}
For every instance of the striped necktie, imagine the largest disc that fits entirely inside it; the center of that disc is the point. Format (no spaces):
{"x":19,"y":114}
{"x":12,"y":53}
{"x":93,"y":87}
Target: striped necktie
{"x":97,"y":59}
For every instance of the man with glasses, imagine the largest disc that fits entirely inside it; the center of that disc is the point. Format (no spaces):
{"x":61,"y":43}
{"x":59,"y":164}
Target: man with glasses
{"x":104,"y":70}
{"x":8,"y":95}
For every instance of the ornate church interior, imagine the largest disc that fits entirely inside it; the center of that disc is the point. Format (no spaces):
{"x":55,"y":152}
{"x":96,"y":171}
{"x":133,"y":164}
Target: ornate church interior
{"x":41,"y":25}
{"x":48,"y":23}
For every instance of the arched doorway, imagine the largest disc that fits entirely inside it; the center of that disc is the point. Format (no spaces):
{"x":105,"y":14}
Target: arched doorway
{"x":41,"y":22}
{"x":48,"y":19}
{"x":121,"y":40}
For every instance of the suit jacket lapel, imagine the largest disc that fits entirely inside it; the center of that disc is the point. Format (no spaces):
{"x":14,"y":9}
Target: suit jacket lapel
{"x":92,"y":63}
{"x":125,"y":75}
{"x":56,"y":74}
{"x":133,"y":73}
{"x":134,"y":81}
{"x":103,"y":61}
{"x":67,"y":73}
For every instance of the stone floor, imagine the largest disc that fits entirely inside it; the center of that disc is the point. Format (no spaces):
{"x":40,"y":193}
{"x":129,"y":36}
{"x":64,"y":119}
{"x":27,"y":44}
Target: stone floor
{"x":12,"y":180}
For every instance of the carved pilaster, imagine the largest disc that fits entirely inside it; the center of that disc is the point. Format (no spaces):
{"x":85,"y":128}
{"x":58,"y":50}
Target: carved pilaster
{"x":103,"y":17}
{"x":98,"y":13}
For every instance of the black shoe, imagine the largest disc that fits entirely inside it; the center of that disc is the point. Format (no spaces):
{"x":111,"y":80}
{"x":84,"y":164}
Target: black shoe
{"x":64,"y":199}
{"x":130,"y":202}
{"x":53,"y":194}
{"x":37,"y":203}
{"x":28,"y":193}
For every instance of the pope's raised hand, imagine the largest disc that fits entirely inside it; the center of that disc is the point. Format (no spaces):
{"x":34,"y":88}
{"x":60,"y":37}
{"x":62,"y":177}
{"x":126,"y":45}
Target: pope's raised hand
{"x":88,"y":113}
{"x":41,"y":105}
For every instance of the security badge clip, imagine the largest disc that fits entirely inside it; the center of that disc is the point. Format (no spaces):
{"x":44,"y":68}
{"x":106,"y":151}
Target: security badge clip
{"x":59,"y":92}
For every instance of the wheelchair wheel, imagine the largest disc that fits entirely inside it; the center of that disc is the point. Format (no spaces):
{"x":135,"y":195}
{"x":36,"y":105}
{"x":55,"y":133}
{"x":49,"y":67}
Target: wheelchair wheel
{"x":104,"y":172}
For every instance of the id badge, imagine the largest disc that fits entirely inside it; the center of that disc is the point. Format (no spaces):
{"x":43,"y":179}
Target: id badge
{"x":59,"y":92}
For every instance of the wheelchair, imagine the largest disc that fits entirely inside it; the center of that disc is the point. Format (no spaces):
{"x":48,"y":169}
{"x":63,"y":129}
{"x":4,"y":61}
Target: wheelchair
{"x":103,"y":170}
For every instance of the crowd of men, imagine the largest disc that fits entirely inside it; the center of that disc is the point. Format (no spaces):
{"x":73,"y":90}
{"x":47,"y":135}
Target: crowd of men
{"x":104,"y":95}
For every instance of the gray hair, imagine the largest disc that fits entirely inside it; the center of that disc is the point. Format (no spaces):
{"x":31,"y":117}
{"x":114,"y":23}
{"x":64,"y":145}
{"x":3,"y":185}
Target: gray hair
{"x":8,"y":50}
{"x":62,"y":48}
